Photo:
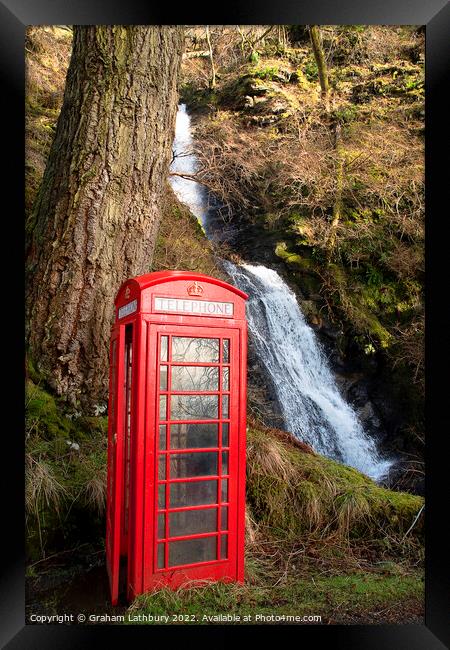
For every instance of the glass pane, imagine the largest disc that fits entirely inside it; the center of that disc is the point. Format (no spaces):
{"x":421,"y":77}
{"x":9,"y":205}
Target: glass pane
{"x":224,"y":462}
{"x":162,"y":468}
{"x":225,"y":379}
{"x":163,"y":407}
{"x":195,"y":349}
{"x":161,"y":496}
{"x":194,"y":464}
{"x":162,"y":436}
{"x":190,"y":522}
{"x":226,"y":351}
{"x":162,"y":526}
{"x":193,"y":493}
{"x":195,"y":378}
{"x":185,"y":436}
{"x":163,"y":377}
{"x":225,"y":489}
{"x":224,"y":518}
{"x":225,"y":428}
{"x":223,"y":547}
{"x":225,"y":413}
{"x":190,"y":551}
{"x":164,"y":348}
{"x":194,"y":407}
{"x":161,"y":556}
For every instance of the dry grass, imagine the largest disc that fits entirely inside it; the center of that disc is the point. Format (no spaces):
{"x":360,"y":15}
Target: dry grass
{"x":42,"y":486}
{"x":295,"y":494}
{"x":94,"y":491}
{"x":266,"y":457}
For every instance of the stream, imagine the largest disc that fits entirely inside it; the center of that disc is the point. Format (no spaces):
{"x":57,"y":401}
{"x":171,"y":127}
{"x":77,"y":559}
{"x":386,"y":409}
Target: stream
{"x":288,"y":349}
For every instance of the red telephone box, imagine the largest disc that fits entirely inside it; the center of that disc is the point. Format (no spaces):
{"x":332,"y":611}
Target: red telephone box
{"x":177,"y":424}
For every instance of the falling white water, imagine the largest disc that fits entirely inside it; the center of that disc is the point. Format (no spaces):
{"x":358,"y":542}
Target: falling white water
{"x":310,"y":402}
{"x":189,"y":192}
{"x":200,"y":202}
{"x":311,"y":405}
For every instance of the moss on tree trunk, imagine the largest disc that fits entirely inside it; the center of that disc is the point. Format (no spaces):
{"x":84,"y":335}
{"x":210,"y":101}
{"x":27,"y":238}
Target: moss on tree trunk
{"x":316,"y":43}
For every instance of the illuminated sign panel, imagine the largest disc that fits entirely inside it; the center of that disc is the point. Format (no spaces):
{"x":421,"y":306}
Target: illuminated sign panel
{"x":194,"y":307}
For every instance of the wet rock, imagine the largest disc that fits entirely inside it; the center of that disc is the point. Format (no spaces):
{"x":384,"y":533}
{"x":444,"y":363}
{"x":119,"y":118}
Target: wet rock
{"x":336,"y":359}
{"x":368,"y":416}
{"x":331,"y":332}
{"x":386,"y":406}
{"x":358,"y":393}
{"x":309,"y":309}
{"x":346,"y":381}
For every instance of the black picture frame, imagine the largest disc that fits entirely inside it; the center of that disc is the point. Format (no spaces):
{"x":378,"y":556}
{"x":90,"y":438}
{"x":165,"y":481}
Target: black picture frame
{"x":15,"y":16}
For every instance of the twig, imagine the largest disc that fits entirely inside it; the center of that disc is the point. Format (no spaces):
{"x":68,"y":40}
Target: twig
{"x":414,"y":522}
{"x":70,"y":550}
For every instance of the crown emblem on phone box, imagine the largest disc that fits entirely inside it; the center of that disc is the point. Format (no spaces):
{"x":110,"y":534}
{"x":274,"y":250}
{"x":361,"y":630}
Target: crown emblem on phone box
{"x":195,"y":289}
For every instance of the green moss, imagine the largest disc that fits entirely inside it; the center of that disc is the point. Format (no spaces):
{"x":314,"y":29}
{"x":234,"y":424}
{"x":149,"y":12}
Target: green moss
{"x":320,"y":493}
{"x":42,"y":408}
{"x":293,"y":260}
{"x":346,"y":114}
{"x":66,"y":474}
{"x":265,"y":73}
{"x":333,"y":597}
{"x":181,"y":242}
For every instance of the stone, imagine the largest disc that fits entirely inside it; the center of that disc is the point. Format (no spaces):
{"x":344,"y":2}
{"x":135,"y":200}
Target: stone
{"x":368,"y":416}
{"x":358,"y":394}
{"x":255,"y":88}
{"x":279,"y":107}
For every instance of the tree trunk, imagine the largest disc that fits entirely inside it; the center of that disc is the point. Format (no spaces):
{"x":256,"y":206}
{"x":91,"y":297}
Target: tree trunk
{"x":97,"y":213}
{"x":212,"y":83}
{"x":337,"y":206}
{"x":316,"y":42}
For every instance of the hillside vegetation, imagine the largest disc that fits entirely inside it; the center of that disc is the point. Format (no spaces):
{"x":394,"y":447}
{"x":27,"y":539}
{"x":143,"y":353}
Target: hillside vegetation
{"x":321,"y":538}
{"x":333,"y":187}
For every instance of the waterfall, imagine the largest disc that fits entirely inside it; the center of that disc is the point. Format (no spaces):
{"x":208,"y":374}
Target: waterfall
{"x":310,"y":402}
{"x":187,"y":191}
{"x":202,"y":204}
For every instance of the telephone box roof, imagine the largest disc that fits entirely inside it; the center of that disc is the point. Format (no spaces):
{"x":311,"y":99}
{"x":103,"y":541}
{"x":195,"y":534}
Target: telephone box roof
{"x":159,"y":277}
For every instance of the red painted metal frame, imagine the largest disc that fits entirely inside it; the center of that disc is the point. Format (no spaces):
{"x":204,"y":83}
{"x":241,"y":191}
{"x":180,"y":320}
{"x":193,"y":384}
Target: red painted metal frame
{"x":115,"y":473}
{"x":140,"y":543}
{"x":155,"y":576}
{"x":128,"y":385}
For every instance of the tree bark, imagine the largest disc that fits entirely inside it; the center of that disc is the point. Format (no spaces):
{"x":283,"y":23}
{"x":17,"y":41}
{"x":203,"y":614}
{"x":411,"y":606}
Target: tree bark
{"x":337,"y":206}
{"x":212,"y":83}
{"x":97,"y":213}
{"x":316,"y":42}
